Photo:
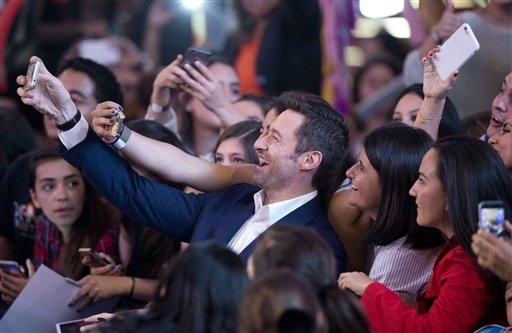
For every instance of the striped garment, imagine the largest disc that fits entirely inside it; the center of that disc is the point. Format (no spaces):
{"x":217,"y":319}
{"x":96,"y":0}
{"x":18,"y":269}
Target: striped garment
{"x":403,"y":270}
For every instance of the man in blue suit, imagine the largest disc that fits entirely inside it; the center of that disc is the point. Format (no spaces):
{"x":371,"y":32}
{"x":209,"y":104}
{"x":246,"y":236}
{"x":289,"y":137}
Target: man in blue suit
{"x":301,"y":160}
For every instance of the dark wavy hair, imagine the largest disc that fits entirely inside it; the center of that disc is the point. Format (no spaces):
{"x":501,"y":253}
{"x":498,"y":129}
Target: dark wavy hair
{"x":106,"y":86}
{"x":325,"y":130}
{"x":199,"y":292}
{"x":395,"y":151}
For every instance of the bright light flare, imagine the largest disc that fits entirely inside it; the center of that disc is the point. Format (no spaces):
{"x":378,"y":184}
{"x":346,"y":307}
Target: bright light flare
{"x":380,"y":8}
{"x":192,"y":4}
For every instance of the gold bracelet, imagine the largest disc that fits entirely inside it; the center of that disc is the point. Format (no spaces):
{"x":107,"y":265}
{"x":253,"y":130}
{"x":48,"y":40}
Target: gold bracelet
{"x":133,"y":287}
{"x":434,"y":118}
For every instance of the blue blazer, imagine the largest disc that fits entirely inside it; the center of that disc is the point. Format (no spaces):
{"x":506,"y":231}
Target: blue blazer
{"x":186,"y":216}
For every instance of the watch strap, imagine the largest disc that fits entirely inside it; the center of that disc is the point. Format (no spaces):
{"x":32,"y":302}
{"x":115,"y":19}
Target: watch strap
{"x":70,"y":123}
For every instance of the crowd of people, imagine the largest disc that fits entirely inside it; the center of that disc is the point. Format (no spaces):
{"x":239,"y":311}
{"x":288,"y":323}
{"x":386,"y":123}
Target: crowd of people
{"x":228,"y":196}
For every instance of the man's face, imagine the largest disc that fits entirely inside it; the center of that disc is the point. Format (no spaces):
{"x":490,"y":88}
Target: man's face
{"x":278,"y":162}
{"x":81,"y":88}
{"x":501,"y":106}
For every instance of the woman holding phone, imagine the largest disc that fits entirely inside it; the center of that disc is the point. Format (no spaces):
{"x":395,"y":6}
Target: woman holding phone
{"x":454,"y":176}
{"x":80,"y":217}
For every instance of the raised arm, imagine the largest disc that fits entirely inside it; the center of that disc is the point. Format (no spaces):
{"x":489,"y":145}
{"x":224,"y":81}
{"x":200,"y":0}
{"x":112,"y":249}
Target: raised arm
{"x":169,"y":162}
{"x":435,"y":90}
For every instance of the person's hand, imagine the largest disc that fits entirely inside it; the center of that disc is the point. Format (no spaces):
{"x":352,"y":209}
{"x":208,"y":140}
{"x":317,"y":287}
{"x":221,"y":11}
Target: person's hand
{"x":433,"y":86}
{"x":494,"y":253}
{"x":111,"y":268}
{"x":357,"y":282}
{"x":98,"y":287}
{"x":49,"y":97}
{"x":11,"y":284}
{"x":102,"y":120}
{"x":203,"y":85}
{"x":159,"y":13}
{"x":95,"y":320}
{"x":448,"y":23}
{"x":167,"y":79}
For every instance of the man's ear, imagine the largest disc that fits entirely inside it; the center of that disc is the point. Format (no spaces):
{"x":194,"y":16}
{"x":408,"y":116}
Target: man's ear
{"x":33,"y":196}
{"x":310,"y":160}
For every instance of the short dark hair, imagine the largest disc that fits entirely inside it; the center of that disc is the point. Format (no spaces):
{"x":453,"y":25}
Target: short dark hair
{"x":106,"y":88}
{"x":280,"y":301}
{"x":395,"y":151}
{"x":324,"y":129}
{"x":450,"y":122}
{"x":247,"y":132}
{"x":298,"y":248}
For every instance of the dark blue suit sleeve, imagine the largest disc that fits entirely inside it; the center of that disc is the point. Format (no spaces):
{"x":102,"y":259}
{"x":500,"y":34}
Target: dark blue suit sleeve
{"x":153,"y":204}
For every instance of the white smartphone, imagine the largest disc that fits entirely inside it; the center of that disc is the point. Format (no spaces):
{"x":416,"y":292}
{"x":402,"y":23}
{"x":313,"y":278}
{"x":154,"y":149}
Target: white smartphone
{"x":32,"y":74}
{"x":457,"y":49}
{"x":491,"y":216}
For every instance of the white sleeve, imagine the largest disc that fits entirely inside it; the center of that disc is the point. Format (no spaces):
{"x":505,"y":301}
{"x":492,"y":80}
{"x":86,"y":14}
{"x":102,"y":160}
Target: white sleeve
{"x":75,"y":135}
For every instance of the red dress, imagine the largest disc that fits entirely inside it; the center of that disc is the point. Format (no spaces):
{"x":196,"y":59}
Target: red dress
{"x":456,"y":300}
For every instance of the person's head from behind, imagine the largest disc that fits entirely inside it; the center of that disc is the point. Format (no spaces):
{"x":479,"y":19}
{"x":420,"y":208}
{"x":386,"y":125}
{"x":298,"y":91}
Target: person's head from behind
{"x":201,"y":290}
{"x":342,"y":309}
{"x":88,"y":83}
{"x":386,"y":169}
{"x":409,"y":103}
{"x":501,"y":107}
{"x":280,"y":301}
{"x":236,"y":144}
{"x":454,"y":176}
{"x":295,"y":247}
{"x":306,"y":144}
{"x":502,"y":143}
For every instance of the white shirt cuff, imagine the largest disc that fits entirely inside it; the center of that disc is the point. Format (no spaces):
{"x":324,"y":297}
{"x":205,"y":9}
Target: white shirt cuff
{"x":75,"y":135}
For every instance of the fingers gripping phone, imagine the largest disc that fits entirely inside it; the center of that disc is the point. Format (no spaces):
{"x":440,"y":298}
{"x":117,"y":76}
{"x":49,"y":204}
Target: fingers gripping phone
{"x":32,"y":74}
{"x":457,"y":49}
{"x":96,"y":259}
{"x":491,"y":216}
{"x":194,"y":54}
{"x":10,"y":266}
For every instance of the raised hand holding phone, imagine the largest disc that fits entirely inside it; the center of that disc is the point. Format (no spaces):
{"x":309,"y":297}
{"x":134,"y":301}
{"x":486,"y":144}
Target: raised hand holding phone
{"x":458,"y":49}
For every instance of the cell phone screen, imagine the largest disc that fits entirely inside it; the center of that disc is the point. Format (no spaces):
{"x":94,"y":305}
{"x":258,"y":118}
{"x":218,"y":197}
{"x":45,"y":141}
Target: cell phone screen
{"x":492,"y":217}
{"x":71,"y":326}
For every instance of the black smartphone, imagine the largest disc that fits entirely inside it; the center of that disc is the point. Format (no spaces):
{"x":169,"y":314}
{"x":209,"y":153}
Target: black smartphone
{"x":96,"y":259}
{"x":194,"y":54}
{"x":491,"y":216}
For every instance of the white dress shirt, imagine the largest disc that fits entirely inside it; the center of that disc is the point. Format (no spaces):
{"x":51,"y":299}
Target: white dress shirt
{"x":74,"y":135}
{"x":264,"y":217}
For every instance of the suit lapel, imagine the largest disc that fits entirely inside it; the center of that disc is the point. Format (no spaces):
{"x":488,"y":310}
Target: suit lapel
{"x":300,"y":216}
{"x":227,"y":225}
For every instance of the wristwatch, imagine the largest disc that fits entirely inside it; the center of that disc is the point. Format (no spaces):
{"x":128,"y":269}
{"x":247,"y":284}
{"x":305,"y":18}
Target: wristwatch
{"x":156,"y":108}
{"x":70,"y":123}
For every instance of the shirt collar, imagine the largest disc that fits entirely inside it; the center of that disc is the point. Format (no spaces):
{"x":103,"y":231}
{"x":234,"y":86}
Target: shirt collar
{"x":280,"y":209}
